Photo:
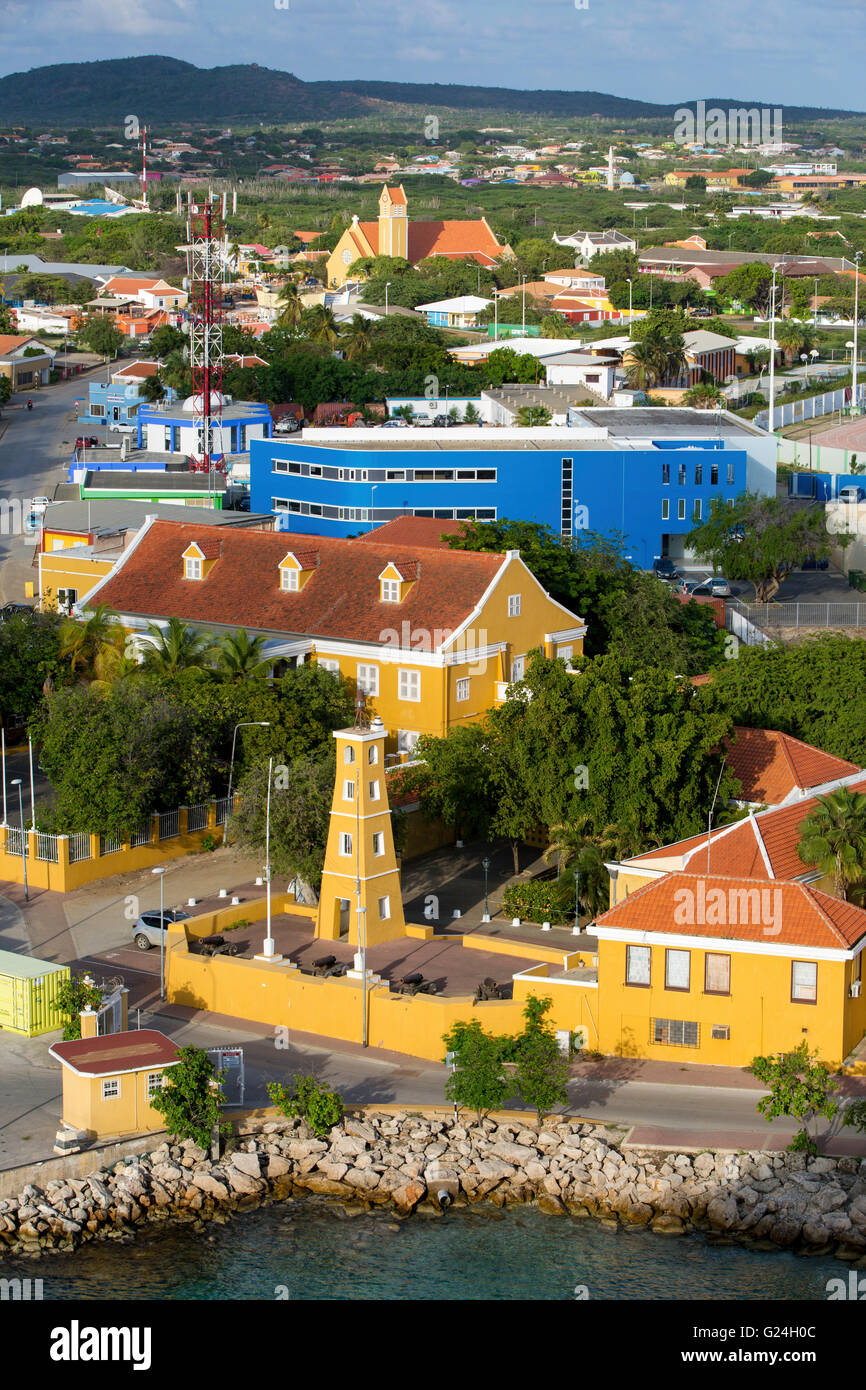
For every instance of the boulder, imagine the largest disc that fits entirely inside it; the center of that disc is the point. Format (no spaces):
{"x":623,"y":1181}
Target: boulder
{"x":207,"y":1182}
{"x":248,"y":1163}
{"x":722,"y":1212}
{"x":242,"y":1183}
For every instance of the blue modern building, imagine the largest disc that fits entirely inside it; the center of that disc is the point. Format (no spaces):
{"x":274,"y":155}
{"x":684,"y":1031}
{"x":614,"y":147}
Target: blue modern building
{"x":172,"y":426}
{"x":115,"y":402}
{"x":650,"y":474}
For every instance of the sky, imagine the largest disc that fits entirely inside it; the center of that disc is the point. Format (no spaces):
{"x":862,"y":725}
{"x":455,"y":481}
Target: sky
{"x":771,"y":52}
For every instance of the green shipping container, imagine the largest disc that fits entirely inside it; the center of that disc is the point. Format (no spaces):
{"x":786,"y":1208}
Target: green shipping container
{"x":28,"y":994}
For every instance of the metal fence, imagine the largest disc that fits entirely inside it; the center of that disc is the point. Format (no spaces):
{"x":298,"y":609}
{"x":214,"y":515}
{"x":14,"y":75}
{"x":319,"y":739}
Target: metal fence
{"x":141,"y":837}
{"x":109,"y":845}
{"x":223,"y":809}
{"x":46,"y":847}
{"x":79,"y":847}
{"x":169,"y":824}
{"x":13,"y":841}
{"x":196,"y":817}
{"x":807,"y":408}
{"x":768,"y":616}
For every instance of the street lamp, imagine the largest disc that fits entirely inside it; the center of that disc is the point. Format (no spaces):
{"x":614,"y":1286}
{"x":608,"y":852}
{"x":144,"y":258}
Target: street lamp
{"x":485,"y":864}
{"x":577,"y":897}
{"x":161,"y":873}
{"x":387,"y":287}
{"x":244,"y":724}
{"x":858,"y":257}
{"x":772,"y":421}
{"x":268,"y":951}
{"x":372,"y":501}
{"x":16,"y":782}
{"x":523,"y":322}
{"x":629,"y":302}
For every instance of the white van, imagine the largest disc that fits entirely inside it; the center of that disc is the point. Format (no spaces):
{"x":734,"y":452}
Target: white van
{"x":850,"y":494}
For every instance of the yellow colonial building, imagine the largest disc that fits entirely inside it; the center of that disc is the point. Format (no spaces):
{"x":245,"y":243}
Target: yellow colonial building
{"x":430,"y":636}
{"x":392,"y":234}
{"x":109,"y":1082}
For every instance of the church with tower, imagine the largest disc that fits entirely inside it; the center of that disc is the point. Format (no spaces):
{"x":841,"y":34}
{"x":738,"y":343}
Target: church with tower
{"x":393,"y":234}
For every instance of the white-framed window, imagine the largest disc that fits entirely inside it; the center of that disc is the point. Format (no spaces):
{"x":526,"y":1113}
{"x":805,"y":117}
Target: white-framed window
{"x":678,"y":969}
{"x":518,"y":666}
{"x":374,"y":790}
{"x":368,"y":678}
{"x":462,"y":689}
{"x":373,"y":754}
{"x":390,"y":591}
{"x":378,"y":843}
{"x":348,"y":754}
{"x":409,"y":685}
{"x":637,"y":965}
{"x":804,"y":981}
{"x":681,"y":509}
{"x":514,"y":605}
{"x":191,"y":568}
{"x":384,"y":909}
{"x":666,"y":509}
{"x":154,"y":1083}
{"x":327,"y":663}
{"x":345,"y":844}
{"x":406,"y":740}
{"x":111,"y":1088}
{"x":348,"y":790}
{"x":565,"y":652}
{"x":289,"y":580}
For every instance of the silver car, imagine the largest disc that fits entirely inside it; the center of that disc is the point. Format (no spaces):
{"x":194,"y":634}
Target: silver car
{"x":148,"y":931}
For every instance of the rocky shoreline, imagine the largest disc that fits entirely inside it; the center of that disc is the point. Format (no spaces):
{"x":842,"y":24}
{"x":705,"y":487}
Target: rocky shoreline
{"x":408,"y":1162}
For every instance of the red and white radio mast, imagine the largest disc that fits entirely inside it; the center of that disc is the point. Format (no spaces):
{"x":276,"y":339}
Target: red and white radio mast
{"x":205,"y":284}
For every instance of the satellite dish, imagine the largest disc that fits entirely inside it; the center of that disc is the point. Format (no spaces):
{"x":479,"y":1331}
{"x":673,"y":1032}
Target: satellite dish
{"x":32,"y":198}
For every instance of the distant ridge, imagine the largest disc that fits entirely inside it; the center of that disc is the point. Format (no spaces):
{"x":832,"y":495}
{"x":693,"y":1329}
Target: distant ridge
{"x":162,"y":90}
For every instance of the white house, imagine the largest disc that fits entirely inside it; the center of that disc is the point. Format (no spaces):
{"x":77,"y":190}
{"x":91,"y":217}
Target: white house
{"x":589,"y":244}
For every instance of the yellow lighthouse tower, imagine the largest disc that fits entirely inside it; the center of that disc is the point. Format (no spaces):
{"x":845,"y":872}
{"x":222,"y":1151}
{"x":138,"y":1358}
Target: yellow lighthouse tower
{"x":360,"y":899}
{"x":393,"y":223}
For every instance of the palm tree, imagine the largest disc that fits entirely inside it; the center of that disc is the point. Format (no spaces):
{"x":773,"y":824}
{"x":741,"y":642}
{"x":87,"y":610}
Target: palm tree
{"x":292,"y":308}
{"x":177,"y":647}
{"x":585,"y":853}
{"x":704,"y":396}
{"x":93,"y":645}
{"x":643,"y":368}
{"x":322,"y":326}
{"x":239,"y":657}
{"x":356,"y":340}
{"x":793,"y":338}
{"x":672,"y":352}
{"x":833,"y":838}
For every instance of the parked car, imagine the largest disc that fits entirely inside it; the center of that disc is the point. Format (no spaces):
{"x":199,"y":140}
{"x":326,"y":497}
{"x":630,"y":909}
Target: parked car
{"x":86,"y":441}
{"x":714,"y":586}
{"x":288,"y":424}
{"x":850,"y":494}
{"x":396,"y":424}
{"x":242,"y":504}
{"x":664,"y":568}
{"x":148,"y":928}
{"x":117,"y":428}
{"x":444,"y":422}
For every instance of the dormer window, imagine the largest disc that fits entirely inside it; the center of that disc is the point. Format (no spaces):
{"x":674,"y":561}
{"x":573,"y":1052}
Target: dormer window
{"x":296,"y":568}
{"x":289,"y":580}
{"x":200,"y":557}
{"x":395,"y":582}
{"x":192,"y":568}
{"x":390,"y":591}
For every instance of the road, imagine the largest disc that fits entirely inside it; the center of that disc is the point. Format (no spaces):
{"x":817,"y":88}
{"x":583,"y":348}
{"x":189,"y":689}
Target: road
{"x":35,"y":448}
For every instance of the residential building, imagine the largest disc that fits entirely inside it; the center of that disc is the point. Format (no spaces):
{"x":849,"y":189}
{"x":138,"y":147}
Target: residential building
{"x":118,"y":401}
{"x":589,"y":244}
{"x":173,"y":425}
{"x":25,"y":361}
{"x":149,"y":290}
{"x":461,"y":312}
{"x":393,"y":234}
{"x":431,"y":636}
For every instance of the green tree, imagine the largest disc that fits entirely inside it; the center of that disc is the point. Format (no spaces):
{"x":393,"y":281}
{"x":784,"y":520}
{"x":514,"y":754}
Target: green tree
{"x":705,"y":395}
{"x":176,"y":647}
{"x":93,"y":645}
{"x":73,"y":996}
{"x":291,"y":305}
{"x":312,"y":1100}
{"x":301,"y":794}
{"x":471,"y":416}
{"x":29,"y":657}
{"x":749,"y":283}
{"x":761,"y":539}
{"x":533,"y":415}
{"x":100,"y":335}
{"x":452,"y":779}
{"x":190,"y":1098}
{"x":696,"y":183}
{"x":794,"y":338}
{"x":478,"y":1080}
{"x":833,"y":837}
{"x":240,"y":657}
{"x":800,"y":1086}
{"x":5,"y":383}
{"x":355,"y":339}
{"x":152,"y":388}
{"x":541,"y":1070}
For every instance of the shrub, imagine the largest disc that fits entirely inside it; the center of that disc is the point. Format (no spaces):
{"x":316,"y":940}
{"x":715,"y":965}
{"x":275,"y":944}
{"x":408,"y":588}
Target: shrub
{"x":546,"y":900}
{"x":73,"y":996}
{"x":312,"y":1100}
{"x":208,"y":843}
{"x":190,"y":1098}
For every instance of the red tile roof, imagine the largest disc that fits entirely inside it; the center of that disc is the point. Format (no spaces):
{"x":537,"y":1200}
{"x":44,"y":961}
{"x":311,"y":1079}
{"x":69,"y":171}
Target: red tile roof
{"x":472,"y":239}
{"x":770,"y":765}
{"x":799,"y":916}
{"x":341,"y":600}
{"x":737,"y":849}
{"x":117,"y":1052}
{"x":415,"y":531}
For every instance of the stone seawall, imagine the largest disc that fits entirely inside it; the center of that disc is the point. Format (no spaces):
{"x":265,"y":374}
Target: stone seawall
{"x":406,"y":1161}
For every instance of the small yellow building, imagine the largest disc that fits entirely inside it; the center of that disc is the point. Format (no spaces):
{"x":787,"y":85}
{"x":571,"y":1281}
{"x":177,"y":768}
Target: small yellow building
{"x":697,"y":968}
{"x":110,"y":1081}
